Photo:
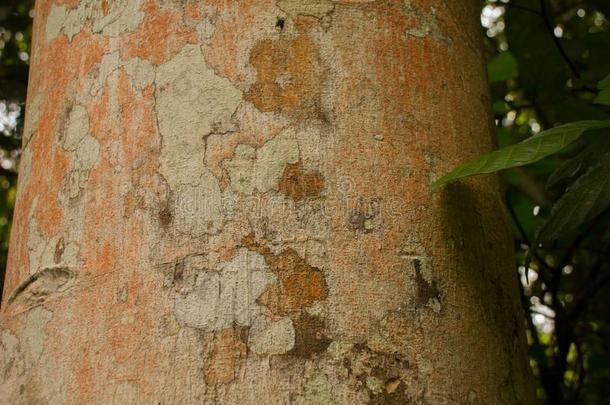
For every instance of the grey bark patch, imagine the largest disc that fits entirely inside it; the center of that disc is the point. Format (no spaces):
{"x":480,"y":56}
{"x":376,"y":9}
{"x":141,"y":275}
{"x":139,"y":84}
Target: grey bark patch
{"x":141,"y":71}
{"x":55,"y":22}
{"x":261,"y":169}
{"x":313,"y":8}
{"x":43,"y":284}
{"x":206,"y":29}
{"x":74,"y":137}
{"x":170,"y":325}
{"x":33,"y":335}
{"x":59,"y":251}
{"x":269,"y":338}
{"x":317,"y":390}
{"x":77,"y":128}
{"x":428,"y":24}
{"x":197,"y":209}
{"x":182,"y":274}
{"x":32,"y":118}
{"x":191,"y":102}
{"x":219,"y":299}
{"x":9,"y":343}
{"x":120,"y":17}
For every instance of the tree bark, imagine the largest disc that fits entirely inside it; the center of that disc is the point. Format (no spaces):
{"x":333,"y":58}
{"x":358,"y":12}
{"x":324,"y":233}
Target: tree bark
{"x":229,"y":202}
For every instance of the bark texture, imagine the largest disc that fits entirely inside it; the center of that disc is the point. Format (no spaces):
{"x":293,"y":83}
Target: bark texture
{"x":228,"y":202}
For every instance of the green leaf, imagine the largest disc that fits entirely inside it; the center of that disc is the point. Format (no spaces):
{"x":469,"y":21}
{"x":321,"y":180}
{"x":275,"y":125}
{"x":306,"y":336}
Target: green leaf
{"x":575,"y":166}
{"x":587,"y":198}
{"x":604,"y":92}
{"x":603,"y":98}
{"x":502,"y":67}
{"x":604,"y":84}
{"x":528,"y":151}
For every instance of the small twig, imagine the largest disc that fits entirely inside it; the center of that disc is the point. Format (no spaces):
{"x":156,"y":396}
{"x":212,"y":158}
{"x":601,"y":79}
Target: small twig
{"x":579,"y":240}
{"x":558,"y":271}
{"x":525,"y":238}
{"x":543,"y":13}
{"x":551,"y":29}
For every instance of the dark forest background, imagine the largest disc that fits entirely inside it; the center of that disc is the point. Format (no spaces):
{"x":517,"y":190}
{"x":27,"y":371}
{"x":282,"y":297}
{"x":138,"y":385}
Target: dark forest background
{"x":548,"y":65}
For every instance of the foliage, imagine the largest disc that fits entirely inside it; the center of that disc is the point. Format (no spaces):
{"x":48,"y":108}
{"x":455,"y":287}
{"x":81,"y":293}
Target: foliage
{"x":525,"y":152}
{"x":548,"y":68}
{"x":15,"y":36}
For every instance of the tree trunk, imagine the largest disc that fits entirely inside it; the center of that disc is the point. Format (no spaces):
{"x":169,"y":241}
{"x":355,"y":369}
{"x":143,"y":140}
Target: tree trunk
{"x":229,"y":202}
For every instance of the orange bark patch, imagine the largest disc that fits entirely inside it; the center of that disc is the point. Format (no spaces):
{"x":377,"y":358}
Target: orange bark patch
{"x":55,"y":83}
{"x":124,"y":324}
{"x":298,"y":185}
{"x":237,"y":24}
{"x":78,"y":57}
{"x":69,"y":3}
{"x":159,"y":38}
{"x":299,"y":284}
{"x":222,"y":249}
{"x":137,"y":119}
{"x":50,"y":212}
{"x":228,"y":347}
{"x":289,"y":75}
{"x":193,"y":12}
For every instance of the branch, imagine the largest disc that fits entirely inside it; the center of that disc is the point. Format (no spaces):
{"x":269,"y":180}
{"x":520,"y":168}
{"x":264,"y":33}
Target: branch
{"x":525,"y":238}
{"x":551,"y":29}
{"x":543,"y":13}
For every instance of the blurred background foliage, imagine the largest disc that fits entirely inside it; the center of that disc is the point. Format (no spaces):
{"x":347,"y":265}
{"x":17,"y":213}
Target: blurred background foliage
{"x":545,"y":59}
{"x":15,"y":37}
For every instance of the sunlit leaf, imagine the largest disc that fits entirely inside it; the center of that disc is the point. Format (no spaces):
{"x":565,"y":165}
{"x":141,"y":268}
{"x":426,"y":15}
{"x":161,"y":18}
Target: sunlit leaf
{"x":528,"y":151}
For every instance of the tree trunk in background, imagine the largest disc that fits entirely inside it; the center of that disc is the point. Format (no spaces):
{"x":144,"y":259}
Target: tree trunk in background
{"x":228,"y":202}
